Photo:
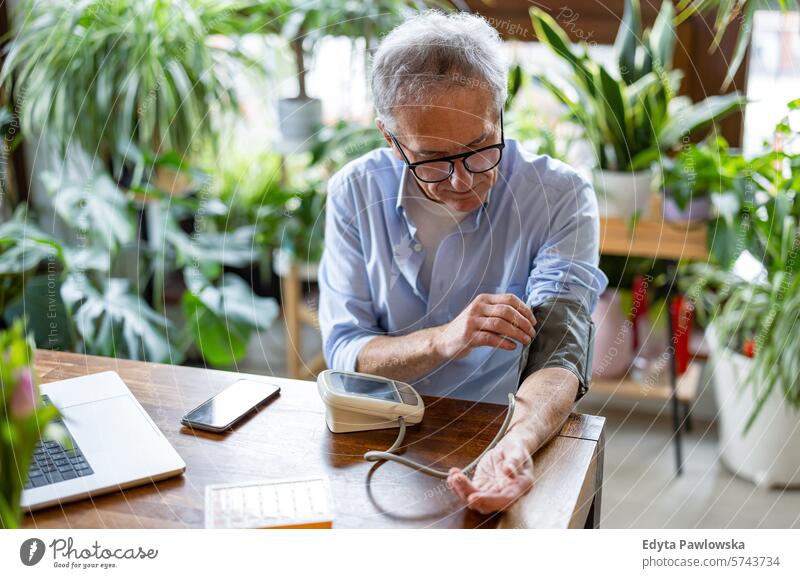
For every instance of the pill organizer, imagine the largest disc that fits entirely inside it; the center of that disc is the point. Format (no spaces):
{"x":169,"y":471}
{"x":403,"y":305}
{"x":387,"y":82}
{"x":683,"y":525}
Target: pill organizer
{"x":292,"y":503}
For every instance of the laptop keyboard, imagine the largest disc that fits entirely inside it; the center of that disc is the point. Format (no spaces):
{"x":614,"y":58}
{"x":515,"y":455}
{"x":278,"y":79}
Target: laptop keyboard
{"x":53,"y":463}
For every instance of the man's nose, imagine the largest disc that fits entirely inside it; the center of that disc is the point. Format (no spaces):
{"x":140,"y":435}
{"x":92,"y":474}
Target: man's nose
{"x":461,"y":179}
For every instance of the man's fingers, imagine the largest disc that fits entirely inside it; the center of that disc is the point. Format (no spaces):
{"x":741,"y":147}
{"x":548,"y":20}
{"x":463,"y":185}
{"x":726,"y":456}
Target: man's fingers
{"x":460,"y":484}
{"x":516,"y":303}
{"x":492,"y":340}
{"x":504,"y":329}
{"x":510,"y":315}
{"x":487,"y":502}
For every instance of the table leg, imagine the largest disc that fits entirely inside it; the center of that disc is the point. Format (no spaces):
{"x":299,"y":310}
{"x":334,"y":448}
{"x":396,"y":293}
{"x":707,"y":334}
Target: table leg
{"x":291,"y":297}
{"x":677,"y":429}
{"x":593,"y":518}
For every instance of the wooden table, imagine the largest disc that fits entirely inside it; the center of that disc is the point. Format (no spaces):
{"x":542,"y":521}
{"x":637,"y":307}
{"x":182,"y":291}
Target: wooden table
{"x":289,"y":438}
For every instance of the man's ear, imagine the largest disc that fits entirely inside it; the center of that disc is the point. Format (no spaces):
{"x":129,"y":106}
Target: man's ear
{"x":387,"y":138}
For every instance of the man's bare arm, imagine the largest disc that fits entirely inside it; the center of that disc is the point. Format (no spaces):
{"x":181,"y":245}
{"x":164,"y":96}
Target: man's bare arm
{"x":544,"y":401}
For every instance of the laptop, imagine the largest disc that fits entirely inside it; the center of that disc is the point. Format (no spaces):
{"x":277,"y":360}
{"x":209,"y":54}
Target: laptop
{"x":116,"y":444}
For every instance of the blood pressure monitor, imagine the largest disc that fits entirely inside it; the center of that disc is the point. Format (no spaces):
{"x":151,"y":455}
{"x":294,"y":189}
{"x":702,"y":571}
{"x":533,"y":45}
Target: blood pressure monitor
{"x":361,"y":402}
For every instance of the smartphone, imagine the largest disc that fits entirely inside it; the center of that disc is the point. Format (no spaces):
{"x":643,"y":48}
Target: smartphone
{"x":230,"y":405}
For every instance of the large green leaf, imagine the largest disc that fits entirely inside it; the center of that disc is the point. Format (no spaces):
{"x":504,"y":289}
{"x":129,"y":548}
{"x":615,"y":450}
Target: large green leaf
{"x":616,"y":116}
{"x":94,"y":207}
{"x":41,"y":305}
{"x":742,"y":41}
{"x":628,"y":39}
{"x":26,"y":254}
{"x":551,"y":34}
{"x":235,"y":248}
{"x":222,"y":318}
{"x":694,"y":117}
{"x":114,"y":322}
{"x":662,"y":37}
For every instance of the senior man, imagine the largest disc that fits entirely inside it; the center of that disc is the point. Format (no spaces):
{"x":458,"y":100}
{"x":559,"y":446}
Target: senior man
{"x":456,"y":261}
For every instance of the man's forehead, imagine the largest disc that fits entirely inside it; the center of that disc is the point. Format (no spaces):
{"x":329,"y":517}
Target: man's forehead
{"x":441,"y":128}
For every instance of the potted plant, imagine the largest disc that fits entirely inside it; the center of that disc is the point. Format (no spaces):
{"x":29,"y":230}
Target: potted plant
{"x":115,"y":77}
{"x":699,"y":175}
{"x":631,"y":117}
{"x":753,"y":314}
{"x":24,"y":420}
{"x":756,"y":382}
{"x":304,"y":25}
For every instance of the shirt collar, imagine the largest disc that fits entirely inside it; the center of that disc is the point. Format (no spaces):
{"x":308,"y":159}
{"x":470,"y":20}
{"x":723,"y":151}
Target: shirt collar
{"x":470,"y":223}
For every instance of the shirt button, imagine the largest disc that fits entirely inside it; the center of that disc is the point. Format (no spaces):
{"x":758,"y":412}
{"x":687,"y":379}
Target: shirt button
{"x":417,"y":247}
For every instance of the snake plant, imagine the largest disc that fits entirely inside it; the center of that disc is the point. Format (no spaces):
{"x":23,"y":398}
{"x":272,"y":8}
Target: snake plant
{"x":630,"y":116}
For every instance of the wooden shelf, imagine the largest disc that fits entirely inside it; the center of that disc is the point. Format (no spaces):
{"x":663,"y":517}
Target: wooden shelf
{"x":653,"y":238}
{"x":659,"y":390}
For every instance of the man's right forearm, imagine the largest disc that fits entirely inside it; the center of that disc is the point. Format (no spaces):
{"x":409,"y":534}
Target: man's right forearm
{"x":405,"y":358}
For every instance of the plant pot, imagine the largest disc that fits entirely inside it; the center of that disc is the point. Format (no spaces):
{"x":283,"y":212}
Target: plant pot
{"x":623,"y":194}
{"x":282,"y":261}
{"x":613,"y":338}
{"x":696,"y":211}
{"x":769,"y":453}
{"x":300,"y":119}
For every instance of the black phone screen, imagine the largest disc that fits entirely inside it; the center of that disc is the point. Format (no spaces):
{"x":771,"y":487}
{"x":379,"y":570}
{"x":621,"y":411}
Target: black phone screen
{"x":230,"y":404}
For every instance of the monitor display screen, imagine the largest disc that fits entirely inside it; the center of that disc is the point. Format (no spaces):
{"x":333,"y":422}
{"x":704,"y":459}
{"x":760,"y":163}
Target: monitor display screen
{"x":353,"y":385}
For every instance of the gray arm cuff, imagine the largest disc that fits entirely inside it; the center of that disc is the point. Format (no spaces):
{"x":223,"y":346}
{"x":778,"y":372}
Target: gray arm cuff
{"x":564,"y":338}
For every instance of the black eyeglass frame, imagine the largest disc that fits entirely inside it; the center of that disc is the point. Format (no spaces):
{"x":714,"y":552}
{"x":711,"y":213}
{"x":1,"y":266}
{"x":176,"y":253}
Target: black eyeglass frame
{"x":413,"y":166}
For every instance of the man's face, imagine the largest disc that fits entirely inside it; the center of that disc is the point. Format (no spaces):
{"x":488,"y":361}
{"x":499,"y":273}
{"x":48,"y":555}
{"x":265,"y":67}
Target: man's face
{"x":454,"y":122}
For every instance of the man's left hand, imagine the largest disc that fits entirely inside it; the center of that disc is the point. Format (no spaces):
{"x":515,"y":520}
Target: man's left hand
{"x":502,"y":476}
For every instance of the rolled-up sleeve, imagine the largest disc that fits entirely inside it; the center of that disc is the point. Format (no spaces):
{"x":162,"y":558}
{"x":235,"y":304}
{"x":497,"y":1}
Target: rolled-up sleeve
{"x":346,"y":314}
{"x":566,"y":266}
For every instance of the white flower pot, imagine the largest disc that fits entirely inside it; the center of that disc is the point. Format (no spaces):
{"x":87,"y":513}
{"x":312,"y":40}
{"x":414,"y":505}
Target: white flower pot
{"x":622,"y":194}
{"x":768,"y":454}
{"x":300,"y":119}
{"x":613,"y":338}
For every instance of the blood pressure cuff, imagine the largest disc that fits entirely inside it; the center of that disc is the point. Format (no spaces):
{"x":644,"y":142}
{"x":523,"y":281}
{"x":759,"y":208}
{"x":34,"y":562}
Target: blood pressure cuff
{"x":564,"y":338}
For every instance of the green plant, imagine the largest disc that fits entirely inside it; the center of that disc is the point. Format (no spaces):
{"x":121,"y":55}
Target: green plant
{"x":631,"y":119}
{"x":525,"y":122}
{"x":11,"y":137}
{"x":706,"y":169}
{"x":759,"y":313}
{"x":219,"y":311}
{"x":767,"y":315}
{"x":337,"y":145}
{"x":68,"y":298}
{"x":100,"y":312}
{"x":24,"y":420}
{"x":726,"y":12}
{"x":114,"y":73}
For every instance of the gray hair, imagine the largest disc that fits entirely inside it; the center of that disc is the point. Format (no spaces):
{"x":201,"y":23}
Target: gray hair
{"x":433,"y":51}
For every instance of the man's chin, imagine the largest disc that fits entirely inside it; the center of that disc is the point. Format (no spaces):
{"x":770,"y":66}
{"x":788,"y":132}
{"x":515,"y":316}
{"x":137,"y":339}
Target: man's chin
{"x":466,"y":202}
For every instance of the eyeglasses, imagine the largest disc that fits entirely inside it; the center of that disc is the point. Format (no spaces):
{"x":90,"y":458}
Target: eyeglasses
{"x":438,"y":170}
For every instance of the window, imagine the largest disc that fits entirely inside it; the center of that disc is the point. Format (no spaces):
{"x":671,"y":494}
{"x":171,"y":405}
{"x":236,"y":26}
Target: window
{"x":773,"y":74}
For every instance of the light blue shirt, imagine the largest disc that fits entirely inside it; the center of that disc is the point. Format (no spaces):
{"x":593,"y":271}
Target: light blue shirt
{"x":536,"y":236}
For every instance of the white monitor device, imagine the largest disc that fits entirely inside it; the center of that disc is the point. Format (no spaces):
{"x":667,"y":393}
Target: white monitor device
{"x":360,"y":402}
